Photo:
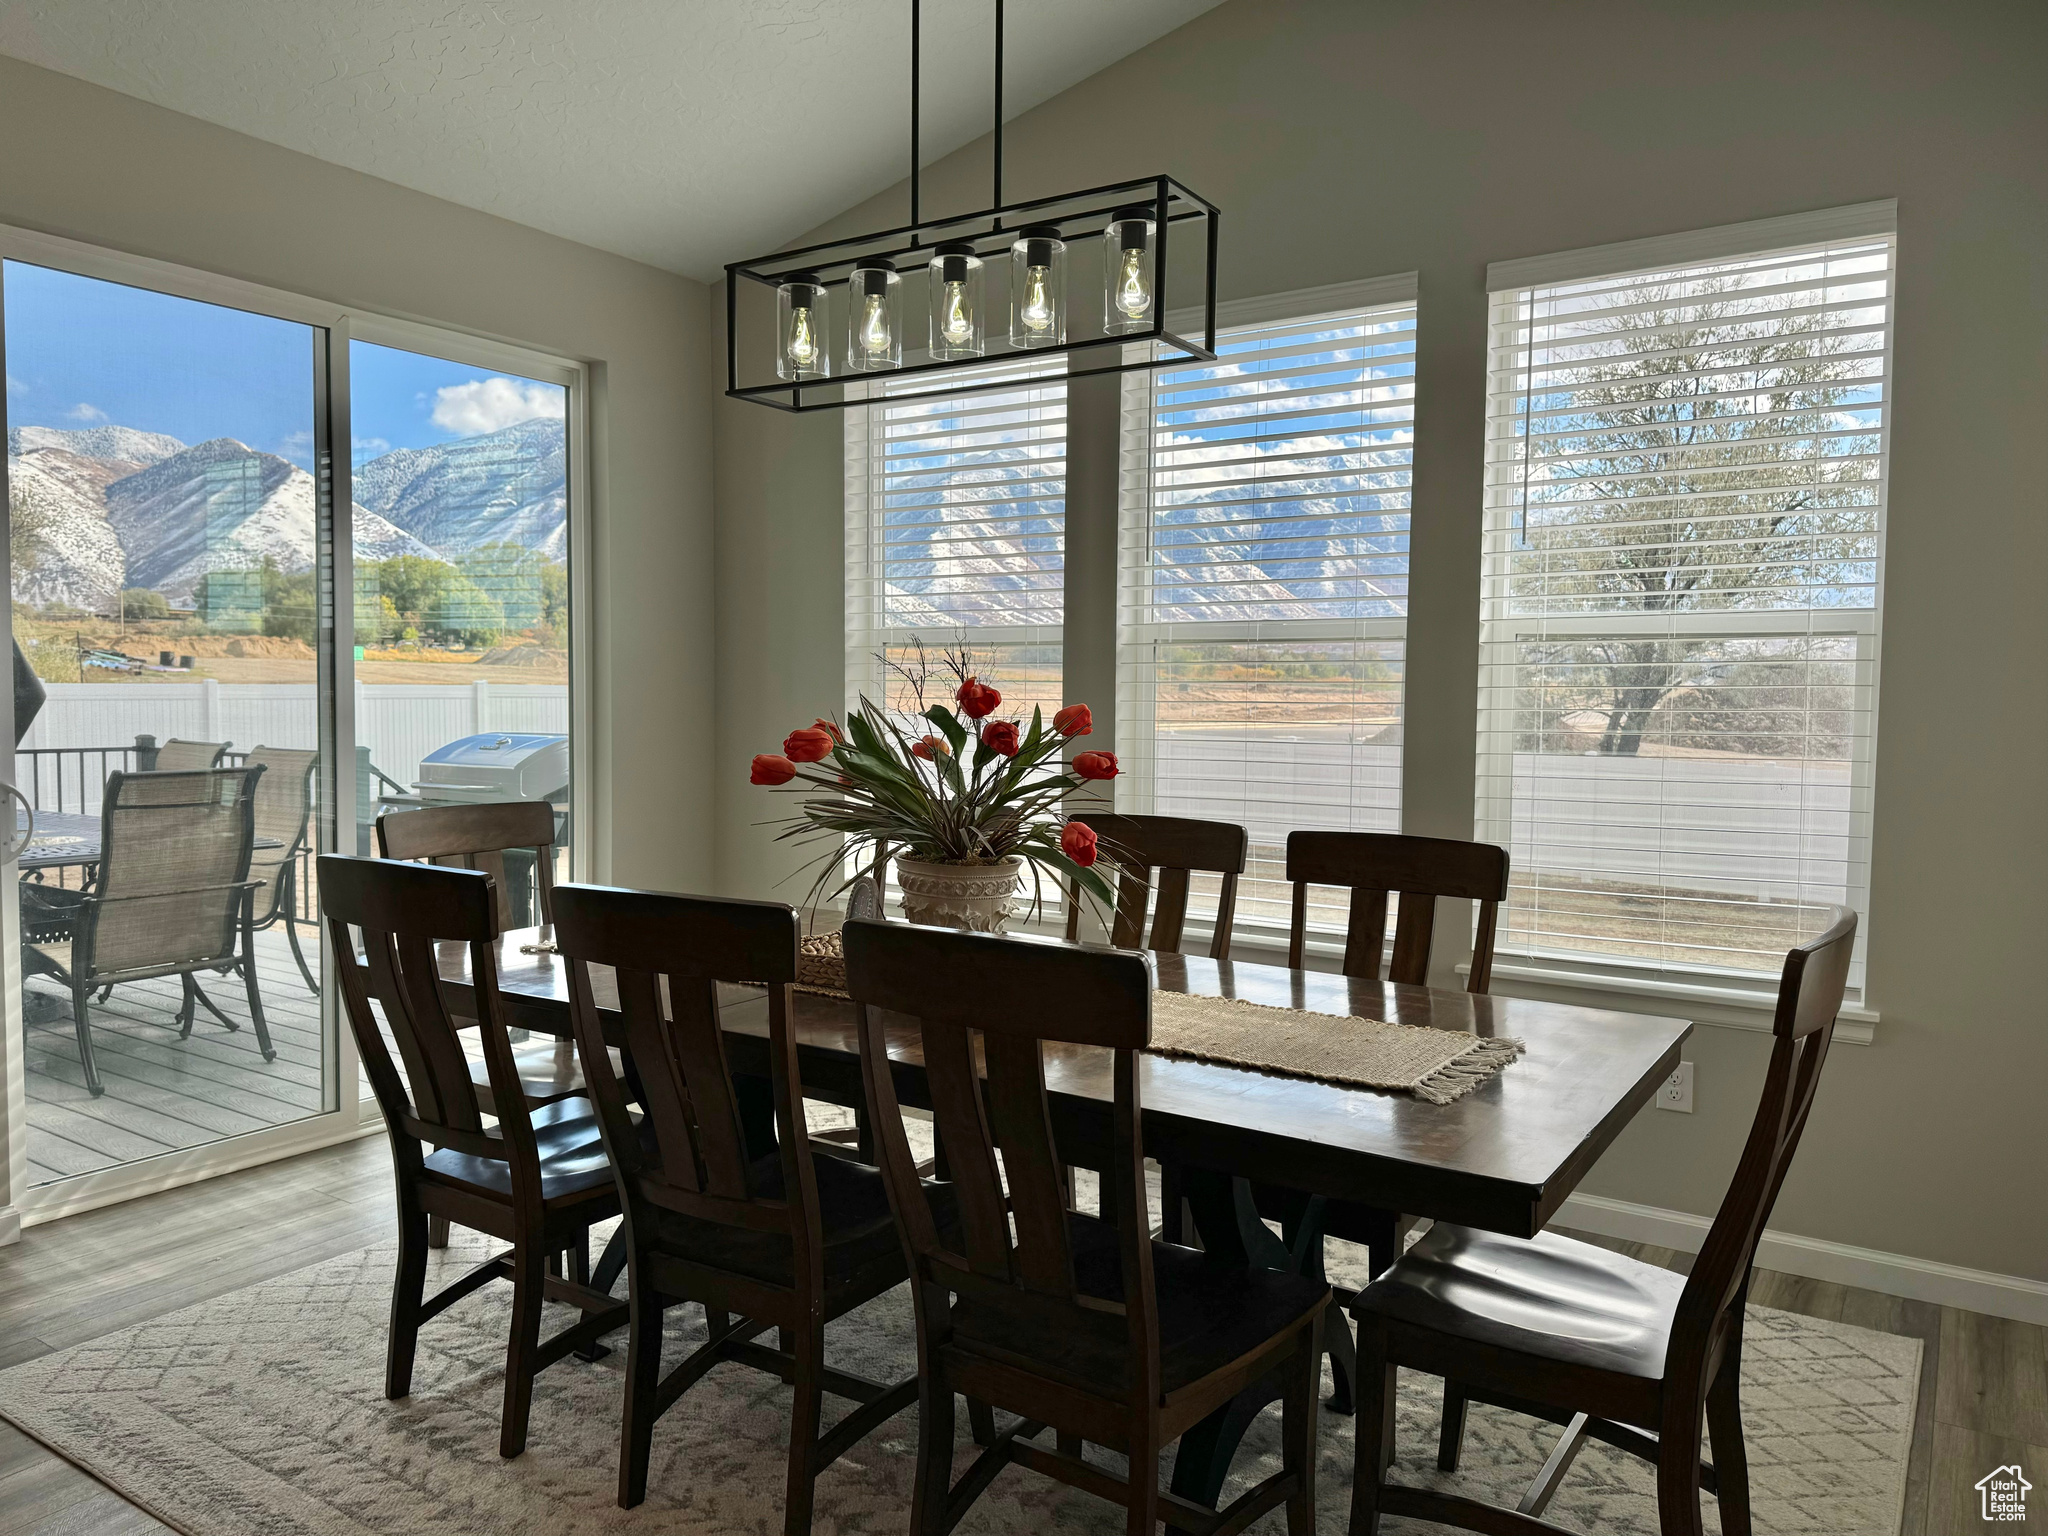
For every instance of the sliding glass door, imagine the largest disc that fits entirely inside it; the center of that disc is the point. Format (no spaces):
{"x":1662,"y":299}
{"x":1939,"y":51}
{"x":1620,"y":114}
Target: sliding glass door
{"x":217,"y":677}
{"x":166,"y":518}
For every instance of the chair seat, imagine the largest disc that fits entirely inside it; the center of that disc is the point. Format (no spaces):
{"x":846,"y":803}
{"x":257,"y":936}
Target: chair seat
{"x":1547,"y":1297}
{"x":545,"y":1076}
{"x":853,"y":1210}
{"x":572,"y":1158}
{"x":1210,"y":1313}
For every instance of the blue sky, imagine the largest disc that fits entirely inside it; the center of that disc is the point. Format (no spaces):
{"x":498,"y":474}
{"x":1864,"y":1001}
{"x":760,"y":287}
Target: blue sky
{"x":82,"y":352}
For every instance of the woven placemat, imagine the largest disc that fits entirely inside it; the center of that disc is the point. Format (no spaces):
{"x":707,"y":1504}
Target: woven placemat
{"x":1438,"y":1065}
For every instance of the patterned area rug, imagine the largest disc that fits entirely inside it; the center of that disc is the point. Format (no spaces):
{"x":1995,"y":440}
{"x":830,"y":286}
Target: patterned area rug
{"x":262,"y":1412}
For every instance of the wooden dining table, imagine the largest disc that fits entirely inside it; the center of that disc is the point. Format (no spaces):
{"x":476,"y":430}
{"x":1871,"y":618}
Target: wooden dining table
{"x":1504,"y":1157}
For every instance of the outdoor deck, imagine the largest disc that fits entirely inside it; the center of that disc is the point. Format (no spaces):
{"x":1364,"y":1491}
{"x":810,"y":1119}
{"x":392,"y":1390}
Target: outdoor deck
{"x":163,"y":1093}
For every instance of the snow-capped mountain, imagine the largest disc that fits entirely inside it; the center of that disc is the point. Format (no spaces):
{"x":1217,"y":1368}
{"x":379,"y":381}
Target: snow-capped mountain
{"x":113,"y":445}
{"x":78,"y":560}
{"x":223,"y":506}
{"x":505,"y":487}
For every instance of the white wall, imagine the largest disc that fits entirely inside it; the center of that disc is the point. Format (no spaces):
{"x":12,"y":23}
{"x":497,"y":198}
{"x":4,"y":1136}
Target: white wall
{"x":1346,"y":141}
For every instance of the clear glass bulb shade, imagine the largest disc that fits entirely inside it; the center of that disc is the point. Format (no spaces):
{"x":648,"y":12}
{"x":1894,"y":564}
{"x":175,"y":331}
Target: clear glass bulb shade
{"x":1038,"y":292}
{"x":954,"y":280}
{"x":874,"y":330}
{"x":1128,"y":278}
{"x":800,"y":349}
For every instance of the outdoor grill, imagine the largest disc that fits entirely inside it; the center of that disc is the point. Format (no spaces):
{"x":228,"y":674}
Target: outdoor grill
{"x":495,"y":766}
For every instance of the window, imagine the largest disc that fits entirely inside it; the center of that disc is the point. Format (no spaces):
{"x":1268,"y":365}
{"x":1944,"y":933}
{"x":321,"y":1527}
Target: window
{"x":956,"y":534}
{"x":1682,"y":574}
{"x":1265,"y":579}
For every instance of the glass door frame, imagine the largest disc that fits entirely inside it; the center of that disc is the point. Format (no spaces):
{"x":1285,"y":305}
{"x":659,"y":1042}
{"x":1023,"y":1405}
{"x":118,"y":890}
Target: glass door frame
{"x":346,"y":1115}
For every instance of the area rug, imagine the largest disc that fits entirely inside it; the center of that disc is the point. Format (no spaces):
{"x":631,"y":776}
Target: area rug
{"x":261,"y":1413}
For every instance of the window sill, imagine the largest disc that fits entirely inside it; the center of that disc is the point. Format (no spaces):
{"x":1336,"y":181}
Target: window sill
{"x":1726,"y":1007}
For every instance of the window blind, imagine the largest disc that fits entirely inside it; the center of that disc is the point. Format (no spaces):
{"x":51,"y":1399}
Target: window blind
{"x":1264,"y":585}
{"x":956,"y":534}
{"x":1679,"y":643}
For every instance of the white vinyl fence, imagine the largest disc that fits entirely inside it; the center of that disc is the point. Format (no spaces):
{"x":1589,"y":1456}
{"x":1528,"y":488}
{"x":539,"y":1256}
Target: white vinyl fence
{"x":399,"y":723}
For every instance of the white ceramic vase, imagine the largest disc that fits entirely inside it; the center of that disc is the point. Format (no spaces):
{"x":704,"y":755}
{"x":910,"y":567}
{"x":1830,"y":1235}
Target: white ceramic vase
{"x":981,"y":898}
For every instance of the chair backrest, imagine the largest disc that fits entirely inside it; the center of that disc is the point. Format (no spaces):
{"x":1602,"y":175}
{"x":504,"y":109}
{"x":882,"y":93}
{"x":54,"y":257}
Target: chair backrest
{"x":478,"y":837}
{"x":1175,"y":846}
{"x":284,"y":810}
{"x":404,"y":913}
{"x":695,"y":1161}
{"x":179,"y":756}
{"x":1013,"y":993}
{"x":174,"y":867}
{"x":1809,"y":997}
{"x":1419,"y":869}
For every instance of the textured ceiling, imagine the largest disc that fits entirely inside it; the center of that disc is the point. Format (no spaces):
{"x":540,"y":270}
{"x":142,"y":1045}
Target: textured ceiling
{"x":686,"y":133}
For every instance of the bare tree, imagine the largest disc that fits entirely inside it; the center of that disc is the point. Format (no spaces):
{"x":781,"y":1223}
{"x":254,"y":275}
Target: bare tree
{"x":1700,"y":455}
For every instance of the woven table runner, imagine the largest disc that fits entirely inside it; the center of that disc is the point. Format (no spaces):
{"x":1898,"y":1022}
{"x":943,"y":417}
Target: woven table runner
{"x":1438,"y":1065}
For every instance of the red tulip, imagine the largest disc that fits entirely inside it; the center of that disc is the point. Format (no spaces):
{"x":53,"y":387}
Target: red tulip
{"x":807,"y":744}
{"x":1074,"y":720}
{"x":770,"y":769}
{"x":931,"y":748}
{"x":976,"y":699}
{"x":1000,"y":737}
{"x":1096,"y":765}
{"x":1078,"y":843}
{"x":830,"y":730}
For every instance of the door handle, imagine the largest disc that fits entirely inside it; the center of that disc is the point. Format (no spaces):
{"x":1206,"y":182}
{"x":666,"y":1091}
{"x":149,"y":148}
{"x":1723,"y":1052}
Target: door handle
{"x":22,"y":827}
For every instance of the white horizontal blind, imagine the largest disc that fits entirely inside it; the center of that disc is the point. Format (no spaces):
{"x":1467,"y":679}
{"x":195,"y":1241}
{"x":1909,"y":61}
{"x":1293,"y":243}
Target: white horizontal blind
{"x":956,"y":534}
{"x":1264,"y":585}
{"x":1684,"y":539}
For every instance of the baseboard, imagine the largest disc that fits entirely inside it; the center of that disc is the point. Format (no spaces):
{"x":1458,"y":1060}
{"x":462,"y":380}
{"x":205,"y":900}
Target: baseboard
{"x":10,"y":1225}
{"x":1813,"y":1258}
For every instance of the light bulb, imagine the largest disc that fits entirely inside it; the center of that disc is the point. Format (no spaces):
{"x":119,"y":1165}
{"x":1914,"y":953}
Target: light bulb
{"x":803,"y":342}
{"x":1133,"y":293}
{"x":959,"y":325}
{"x":874,"y":326}
{"x":1037,"y":311}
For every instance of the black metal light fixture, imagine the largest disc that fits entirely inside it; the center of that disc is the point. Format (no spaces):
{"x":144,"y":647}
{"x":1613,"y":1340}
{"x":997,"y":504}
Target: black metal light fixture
{"x":993,"y":284}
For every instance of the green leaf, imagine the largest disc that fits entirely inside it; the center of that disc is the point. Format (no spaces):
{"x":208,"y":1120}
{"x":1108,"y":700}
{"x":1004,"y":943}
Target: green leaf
{"x":956,"y":733}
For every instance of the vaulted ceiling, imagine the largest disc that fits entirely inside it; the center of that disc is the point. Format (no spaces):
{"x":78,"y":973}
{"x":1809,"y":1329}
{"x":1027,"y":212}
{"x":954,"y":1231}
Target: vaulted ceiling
{"x":685,"y":133}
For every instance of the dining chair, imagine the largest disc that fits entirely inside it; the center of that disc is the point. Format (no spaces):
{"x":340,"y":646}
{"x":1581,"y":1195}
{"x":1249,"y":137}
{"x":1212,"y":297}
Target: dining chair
{"x":1176,"y":847}
{"x":779,"y":1238}
{"x":1375,"y":865}
{"x":478,"y":837}
{"x":173,"y":898}
{"x":180,"y":756}
{"x":1084,"y":1323}
{"x":1612,"y":1348}
{"x":284,"y":811}
{"x":536,"y":1179}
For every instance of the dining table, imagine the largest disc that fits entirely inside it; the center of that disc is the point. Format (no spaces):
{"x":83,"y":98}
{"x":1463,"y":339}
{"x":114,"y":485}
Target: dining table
{"x":1503,"y":1157}
{"x":62,"y":838}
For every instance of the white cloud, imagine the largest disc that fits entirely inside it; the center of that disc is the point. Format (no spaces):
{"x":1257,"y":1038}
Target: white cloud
{"x":490,"y":405}
{"x":85,"y":412}
{"x":371,"y":447}
{"x":15,"y":386}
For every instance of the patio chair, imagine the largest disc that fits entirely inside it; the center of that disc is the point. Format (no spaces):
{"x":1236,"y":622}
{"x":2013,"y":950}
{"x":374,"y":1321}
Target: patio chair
{"x":179,"y":756}
{"x":174,"y":898}
{"x":284,"y":811}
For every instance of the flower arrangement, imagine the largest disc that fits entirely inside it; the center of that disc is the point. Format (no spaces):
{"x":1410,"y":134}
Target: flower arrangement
{"x":977,"y":790}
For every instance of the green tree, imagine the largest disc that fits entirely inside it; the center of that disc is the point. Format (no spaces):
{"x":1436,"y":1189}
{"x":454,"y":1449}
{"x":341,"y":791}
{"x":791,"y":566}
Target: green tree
{"x":143,"y":603}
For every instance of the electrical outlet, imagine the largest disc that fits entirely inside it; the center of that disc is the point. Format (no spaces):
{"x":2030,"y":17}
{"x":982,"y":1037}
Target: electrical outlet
{"x":1677,"y":1090}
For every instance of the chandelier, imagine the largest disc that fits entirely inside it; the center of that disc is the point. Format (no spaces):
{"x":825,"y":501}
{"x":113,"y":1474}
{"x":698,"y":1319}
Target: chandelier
{"x":938,"y":305}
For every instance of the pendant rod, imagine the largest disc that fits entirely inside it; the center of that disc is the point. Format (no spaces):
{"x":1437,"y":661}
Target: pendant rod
{"x":997,"y":200}
{"x":916,"y":36}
